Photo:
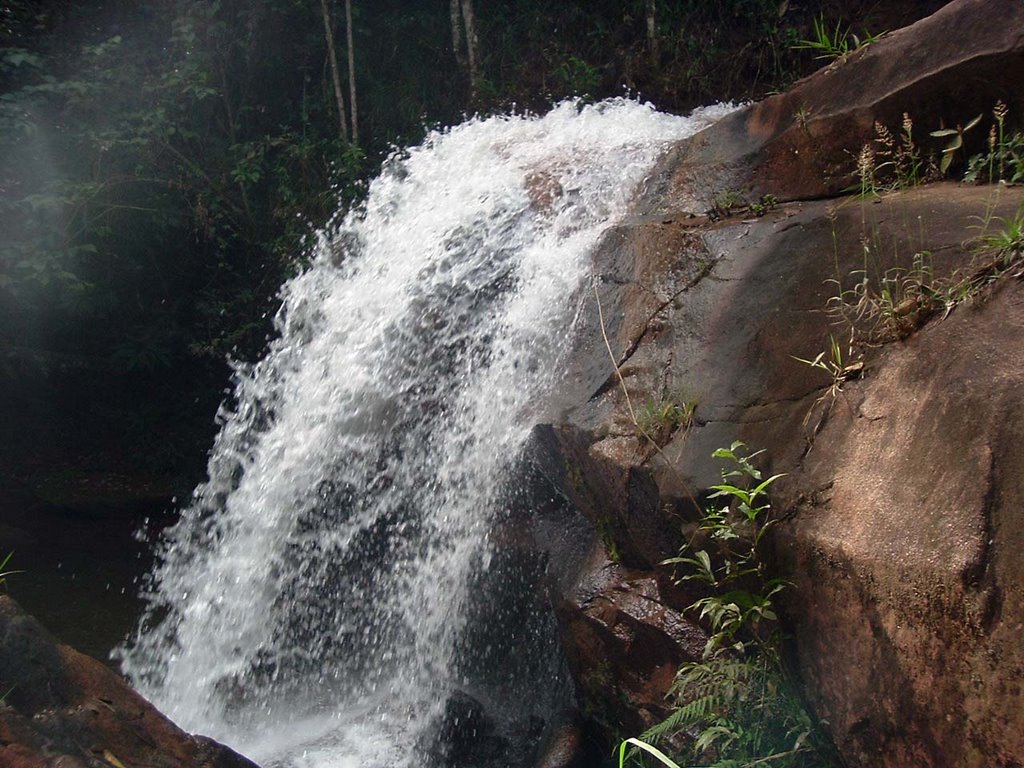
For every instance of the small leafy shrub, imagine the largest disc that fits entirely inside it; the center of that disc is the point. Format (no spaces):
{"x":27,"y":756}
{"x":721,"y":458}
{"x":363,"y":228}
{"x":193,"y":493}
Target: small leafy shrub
{"x":1004,"y":160}
{"x":736,"y":525}
{"x":659,"y":419}
{"x":764,"y":204}
{"x":737,"y":703}
{"x":725,"y":203}
{"x":955,"y":141}
{"x":730,"y":201}
{"x":577,"y":76}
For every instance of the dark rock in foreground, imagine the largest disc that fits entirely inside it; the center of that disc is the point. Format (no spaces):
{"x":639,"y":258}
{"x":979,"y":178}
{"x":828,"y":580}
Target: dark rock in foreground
{"x":64,"y":709}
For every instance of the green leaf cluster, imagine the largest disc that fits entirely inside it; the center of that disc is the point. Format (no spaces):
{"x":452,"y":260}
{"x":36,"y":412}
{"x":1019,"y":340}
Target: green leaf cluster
{"x":736,"y":706}
{"x":954,"y":141}
{"x":1004,"y":160}
{"x":836,"y":42}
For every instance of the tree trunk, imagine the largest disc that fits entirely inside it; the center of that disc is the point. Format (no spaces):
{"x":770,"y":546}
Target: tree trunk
{"x":456,"y":15}
{"x":472,"y":48}
{"x":351,"y":73}
{"x":652,"y":33}
{"x":335,"y":75}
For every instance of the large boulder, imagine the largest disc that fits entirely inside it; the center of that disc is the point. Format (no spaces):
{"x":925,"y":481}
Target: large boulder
{"x":61,"y":708}
{"x":802,"y":144}
{"x":903,"y":486}
{"x":907,"y":547}
{"x":892,"y":480}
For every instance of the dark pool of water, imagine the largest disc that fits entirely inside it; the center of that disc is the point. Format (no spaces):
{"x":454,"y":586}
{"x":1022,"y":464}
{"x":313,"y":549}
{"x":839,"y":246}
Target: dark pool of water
{"x":80,"y":566}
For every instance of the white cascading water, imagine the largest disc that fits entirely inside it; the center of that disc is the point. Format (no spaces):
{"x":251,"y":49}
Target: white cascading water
{"x":310,"y":608}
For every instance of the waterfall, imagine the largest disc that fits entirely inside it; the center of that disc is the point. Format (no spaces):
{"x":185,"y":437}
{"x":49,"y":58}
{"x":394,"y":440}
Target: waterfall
{"x":316,"y":603}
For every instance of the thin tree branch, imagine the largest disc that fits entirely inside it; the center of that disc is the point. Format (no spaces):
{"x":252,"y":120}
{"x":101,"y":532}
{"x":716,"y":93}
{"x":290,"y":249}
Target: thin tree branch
{"x":332,"y":57}
{"x":351,"y":73}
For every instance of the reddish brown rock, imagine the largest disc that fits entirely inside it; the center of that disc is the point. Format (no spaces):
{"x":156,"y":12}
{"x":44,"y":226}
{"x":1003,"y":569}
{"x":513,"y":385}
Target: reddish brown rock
{"x":625,"y":641}
{"x":565,"y":748}
{"x":906,"y":486}
{"x":908,"y":549}
{"x":66,"y":709}
{"x":802,"y":144}
{"x":903,"y":490}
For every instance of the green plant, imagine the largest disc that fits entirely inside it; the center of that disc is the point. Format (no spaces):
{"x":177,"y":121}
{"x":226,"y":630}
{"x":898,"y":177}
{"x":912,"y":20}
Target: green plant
{"x":764,"y":204}
{"x":866,"y":172}
{"x":725,"y":202}
{"x":4,"y":572}
{"x":1007,"y":242}
{"x":892,"y":161}
{"x":658,"y":419}
{"x":729,"y":201}
{"x":577,"y":76}
{"x":736,"y":702}
{"x":835,"y":43}
{"x":890,"y":306}
{"x":999,"y":253}
{"x":658,"y":754}
{"x":831,"y":362}
{"x":955,"y":143}
{"x":880,"y":307}
{"x":738,"y":522}
{"x":900,"y":157}
{"x":802,"y":116}
{"x":1004,"y":160}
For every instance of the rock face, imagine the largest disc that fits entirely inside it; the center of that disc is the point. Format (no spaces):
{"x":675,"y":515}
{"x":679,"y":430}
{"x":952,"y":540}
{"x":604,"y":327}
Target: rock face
{"x":908,"y":548}
{"x":902,"y":500}
{"x":942,"y":71}
{"x":65,"y":709}
{"x":627,"y":643}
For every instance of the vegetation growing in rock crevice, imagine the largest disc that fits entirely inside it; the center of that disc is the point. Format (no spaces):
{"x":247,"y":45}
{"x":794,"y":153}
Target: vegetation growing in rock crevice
{"x":659,"y":418}
{"x":875,"y":305}
{"x":737,"y":705}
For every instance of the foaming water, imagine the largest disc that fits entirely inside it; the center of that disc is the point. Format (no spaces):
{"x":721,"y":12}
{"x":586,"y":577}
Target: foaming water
{"x":336,"y":584}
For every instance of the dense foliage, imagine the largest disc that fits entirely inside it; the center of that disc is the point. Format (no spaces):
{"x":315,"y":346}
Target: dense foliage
{"x":738,"y":706}
{"x":162,"y":162}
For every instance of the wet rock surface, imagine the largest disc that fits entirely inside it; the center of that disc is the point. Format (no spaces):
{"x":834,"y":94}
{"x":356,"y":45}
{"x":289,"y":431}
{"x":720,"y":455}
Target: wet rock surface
{"x":626,"y":638}
{"x":62,"y":708}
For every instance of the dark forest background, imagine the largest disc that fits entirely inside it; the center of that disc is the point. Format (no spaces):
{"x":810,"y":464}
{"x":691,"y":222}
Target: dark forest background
{"x":163,"y":163}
